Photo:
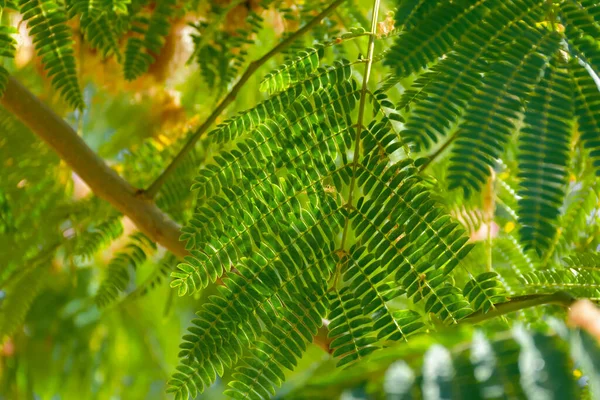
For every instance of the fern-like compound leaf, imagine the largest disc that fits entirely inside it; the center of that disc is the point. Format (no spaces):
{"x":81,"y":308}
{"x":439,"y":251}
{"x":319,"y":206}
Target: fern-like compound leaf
{"x":20,"y":294}
{"x":435,"y":35}
{"x":245,"y":308}
{"x":592,"y":8}
{"x":268,"y":223}
{"x":352,"y":337}
{"x":245,"y":121}
{"x":90,"y":242}
{"x":483,"y":291}
{"x":260,"y":160}
{"x":7,"y":50}
{"x":578,"y":207}
{"x":231,"y":167}
{"x":295,"y":70}
{"x":142,"y":49}
{"x":544,"y":147}
{"x":303,"y":66}
{"x":396,"y":225}
{"x":579,"y":18}
{"x":257,"y":375}
{"x":490,"y":119}
{"x":47,"y":22}
{"x":411,"y":12}
{"x":103,"y":23}
{"x":460,"y":74}
{"x":580,"y":277}
{"x":418,"y":90}
{"x":512,"y":262}
{"x":587,"y":107}
{"x":118,"y":273}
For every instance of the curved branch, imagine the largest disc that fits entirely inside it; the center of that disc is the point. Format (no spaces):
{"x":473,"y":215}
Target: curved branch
{"x":103,"y":181}
{"x":154,"y":188}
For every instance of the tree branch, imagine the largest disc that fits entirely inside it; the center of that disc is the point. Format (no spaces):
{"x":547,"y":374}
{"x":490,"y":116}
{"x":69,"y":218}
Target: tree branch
{"x":154,"y":188}
{"x":516,"y":303}
{"x":103,"y":181}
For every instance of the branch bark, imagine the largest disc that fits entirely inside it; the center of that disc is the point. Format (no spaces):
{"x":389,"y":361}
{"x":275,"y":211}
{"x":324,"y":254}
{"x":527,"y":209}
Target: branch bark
{"x":103,"y":181}
{"x":154,"y":188}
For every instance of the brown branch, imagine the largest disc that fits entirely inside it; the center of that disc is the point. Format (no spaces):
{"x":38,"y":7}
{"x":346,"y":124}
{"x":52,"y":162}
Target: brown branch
{"x":103,"y":181}
{"x":154,"y":188}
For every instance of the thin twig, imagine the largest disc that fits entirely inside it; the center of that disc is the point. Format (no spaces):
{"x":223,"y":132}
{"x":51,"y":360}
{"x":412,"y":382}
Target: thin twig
{"x":519,"y":303}
{"x":359,"y":126}
{"x":154,"y":188}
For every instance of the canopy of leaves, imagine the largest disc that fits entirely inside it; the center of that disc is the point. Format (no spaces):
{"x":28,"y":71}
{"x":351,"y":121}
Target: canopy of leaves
{"x":375,"y":198}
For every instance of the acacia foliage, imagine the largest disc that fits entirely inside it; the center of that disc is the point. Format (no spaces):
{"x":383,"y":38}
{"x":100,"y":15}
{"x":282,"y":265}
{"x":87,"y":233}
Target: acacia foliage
{"x":364,"y":199}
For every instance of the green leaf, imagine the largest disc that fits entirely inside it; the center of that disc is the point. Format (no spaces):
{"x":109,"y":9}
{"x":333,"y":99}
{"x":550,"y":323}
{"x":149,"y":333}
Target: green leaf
{"x":47,"y":23}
